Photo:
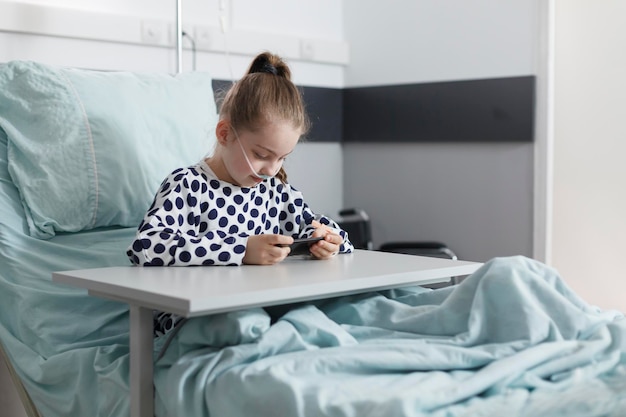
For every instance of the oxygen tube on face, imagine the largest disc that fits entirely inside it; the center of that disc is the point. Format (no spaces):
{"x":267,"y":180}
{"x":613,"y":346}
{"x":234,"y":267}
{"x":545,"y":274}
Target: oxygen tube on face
{"x":245,"y":155}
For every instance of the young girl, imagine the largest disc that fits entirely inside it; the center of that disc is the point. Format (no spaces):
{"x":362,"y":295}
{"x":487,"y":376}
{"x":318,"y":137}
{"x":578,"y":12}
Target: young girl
{"x":236,"y":206}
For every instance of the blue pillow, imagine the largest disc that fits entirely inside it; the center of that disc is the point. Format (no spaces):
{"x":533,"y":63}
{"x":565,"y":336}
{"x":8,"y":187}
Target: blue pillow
{"x":88,"y":149}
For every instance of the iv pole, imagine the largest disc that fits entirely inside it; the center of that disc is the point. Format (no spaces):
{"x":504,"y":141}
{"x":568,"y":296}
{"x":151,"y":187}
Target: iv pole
{"x":179,"y":37}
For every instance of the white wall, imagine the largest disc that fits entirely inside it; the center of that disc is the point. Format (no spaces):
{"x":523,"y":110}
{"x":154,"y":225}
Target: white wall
{"x":475,"y":197}
{"x":106,"y":34}
{"x":400,"y":41}
{"x":460,"y":194}
{"x":589,"y":189}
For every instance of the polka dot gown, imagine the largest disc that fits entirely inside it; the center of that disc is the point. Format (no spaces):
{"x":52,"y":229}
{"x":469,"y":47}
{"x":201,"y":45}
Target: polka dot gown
{"x":197,"y":219}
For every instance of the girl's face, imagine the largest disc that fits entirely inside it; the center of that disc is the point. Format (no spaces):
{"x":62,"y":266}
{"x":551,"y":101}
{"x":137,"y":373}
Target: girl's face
{"x":247,"y":153}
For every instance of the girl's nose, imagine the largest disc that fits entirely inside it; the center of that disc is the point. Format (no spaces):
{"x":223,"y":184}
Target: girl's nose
{"x":271,"y":167}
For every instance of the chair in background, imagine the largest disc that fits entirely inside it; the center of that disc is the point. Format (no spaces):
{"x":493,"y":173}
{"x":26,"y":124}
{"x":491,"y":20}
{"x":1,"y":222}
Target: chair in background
{"x":357,"y":223}
{"x":425,"y":248}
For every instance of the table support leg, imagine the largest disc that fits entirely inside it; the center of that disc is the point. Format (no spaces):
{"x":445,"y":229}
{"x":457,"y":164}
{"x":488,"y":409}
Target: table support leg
{"x":141,"y":365}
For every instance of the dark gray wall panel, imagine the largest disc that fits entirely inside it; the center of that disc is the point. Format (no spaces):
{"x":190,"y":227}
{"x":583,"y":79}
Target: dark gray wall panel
{"x":326,"y":110}
{"x":487,"y":110}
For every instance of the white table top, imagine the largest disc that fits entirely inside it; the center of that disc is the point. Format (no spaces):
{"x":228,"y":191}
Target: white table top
{"x":195,"y":291}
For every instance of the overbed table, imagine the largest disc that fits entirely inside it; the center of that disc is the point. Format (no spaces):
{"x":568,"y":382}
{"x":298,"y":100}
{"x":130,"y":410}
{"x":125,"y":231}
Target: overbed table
{"x":197,"y":291}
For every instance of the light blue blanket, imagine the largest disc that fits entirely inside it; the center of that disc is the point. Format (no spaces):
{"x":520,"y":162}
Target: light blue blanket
{"x":512,"y":339}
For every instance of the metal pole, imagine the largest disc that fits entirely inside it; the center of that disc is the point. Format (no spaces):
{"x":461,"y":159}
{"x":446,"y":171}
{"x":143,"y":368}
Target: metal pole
{"x":179,"y":37}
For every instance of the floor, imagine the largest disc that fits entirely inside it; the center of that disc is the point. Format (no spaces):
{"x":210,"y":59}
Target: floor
{"x":10,"y":404}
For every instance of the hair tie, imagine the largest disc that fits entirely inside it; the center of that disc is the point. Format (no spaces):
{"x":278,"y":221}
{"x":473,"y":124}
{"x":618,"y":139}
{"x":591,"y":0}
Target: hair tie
{"x":269,"y":68}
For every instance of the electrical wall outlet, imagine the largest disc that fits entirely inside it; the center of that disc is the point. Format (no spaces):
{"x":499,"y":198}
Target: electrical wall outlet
{"x":153,"y":32}
{"x":204,"y":37}
{"x":307,"y":49}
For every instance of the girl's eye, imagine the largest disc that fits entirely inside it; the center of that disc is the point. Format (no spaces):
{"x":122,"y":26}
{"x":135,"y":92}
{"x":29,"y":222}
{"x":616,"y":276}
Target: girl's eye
{"x":259,"y":156}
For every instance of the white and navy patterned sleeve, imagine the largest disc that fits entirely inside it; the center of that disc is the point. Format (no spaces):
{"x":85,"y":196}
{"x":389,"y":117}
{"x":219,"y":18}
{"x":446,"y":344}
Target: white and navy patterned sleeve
{"x":176,"y":229}
{"x":296,"y":211}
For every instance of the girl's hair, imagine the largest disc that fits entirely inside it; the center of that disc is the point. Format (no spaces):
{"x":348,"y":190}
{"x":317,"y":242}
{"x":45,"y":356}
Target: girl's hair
{"x":266,"y":93}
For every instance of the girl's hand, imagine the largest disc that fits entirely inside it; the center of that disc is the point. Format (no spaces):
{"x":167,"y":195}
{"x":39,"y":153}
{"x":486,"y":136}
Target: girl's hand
{"x":327,"y":248}
{"x":267,"y":249}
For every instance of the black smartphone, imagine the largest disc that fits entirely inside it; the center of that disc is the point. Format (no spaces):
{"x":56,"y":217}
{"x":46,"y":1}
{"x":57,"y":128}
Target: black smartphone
{"x":301,"y":246}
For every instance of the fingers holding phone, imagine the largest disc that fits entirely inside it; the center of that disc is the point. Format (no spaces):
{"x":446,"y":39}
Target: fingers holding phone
{"x":267,"y":249}
{"x":329,"y":246}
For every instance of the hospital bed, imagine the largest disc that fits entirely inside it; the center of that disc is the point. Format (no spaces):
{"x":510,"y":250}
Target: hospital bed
{"x":81,"y":154}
